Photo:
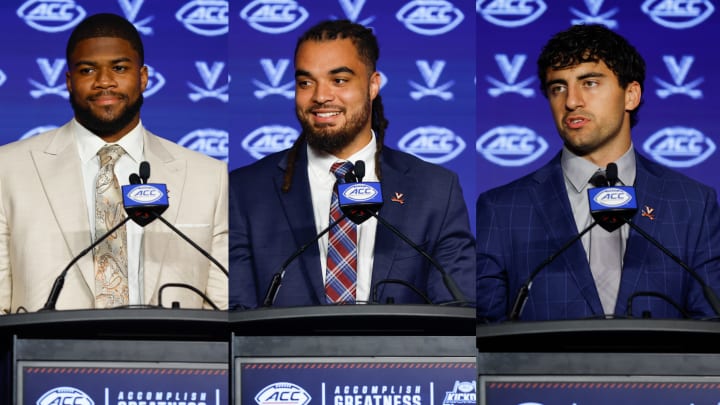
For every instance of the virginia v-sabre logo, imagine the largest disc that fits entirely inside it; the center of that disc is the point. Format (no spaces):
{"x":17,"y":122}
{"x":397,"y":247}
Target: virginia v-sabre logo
{"x":51,"y":73}
{"x":274,"y":16}
{"x":51,"y":15}
{"x":274,"y":71}
{"x":595,"y":16}
{"x":210,"y":76}
{"x":352,"y":9}
{"x":510,"y":14}
{"x":131,"y":8}
{"x":511,"y":145}
{"x":510,"y":69}
{"x":679,"y":71}
{"x":431,"y":74}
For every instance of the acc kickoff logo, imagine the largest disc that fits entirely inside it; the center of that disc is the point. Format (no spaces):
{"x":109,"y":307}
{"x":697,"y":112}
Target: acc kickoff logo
{"x":360,"y":192}
{"x":612,"y":197}
{"x":463,"y":392}
{"x":430,"y":17}
{"x":51,"y":15}
{"x":65,"y":395}
{"x":679,"y":146}
{"x":212,"y":142}
{"x":678,"y":14}
{"x":208,"y":18}
{"x":269,"y":139}
{"x":511,"y":145}
{"x":510,"y":14}
{"x":274,"y":16}
{"x":282,"y":393}
{"x":432,"y":144}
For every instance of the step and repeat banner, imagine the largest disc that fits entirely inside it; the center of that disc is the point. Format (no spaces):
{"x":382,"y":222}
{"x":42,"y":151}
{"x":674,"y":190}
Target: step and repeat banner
{"x":678,"y":124}
{"x":427,"y":64}
{"x":186,"y":45}
{"x":459,"y":79}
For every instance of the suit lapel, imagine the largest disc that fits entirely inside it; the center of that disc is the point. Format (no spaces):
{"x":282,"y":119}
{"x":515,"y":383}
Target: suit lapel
{"x":298,"y":210}
{"x":164,"y":169}
{"x":59,"y":169}
{"x":556,"y":213}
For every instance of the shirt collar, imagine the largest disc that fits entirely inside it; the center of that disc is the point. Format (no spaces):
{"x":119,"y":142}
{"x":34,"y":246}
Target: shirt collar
{"x":89,"y":144}
{"x":578,"y":170}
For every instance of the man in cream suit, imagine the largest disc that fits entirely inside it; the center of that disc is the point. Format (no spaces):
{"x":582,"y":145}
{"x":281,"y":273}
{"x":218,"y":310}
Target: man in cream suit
{"x":48,"y":206}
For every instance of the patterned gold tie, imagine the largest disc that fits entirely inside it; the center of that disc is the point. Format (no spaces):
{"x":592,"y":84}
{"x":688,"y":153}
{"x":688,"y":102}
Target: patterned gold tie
{"x":110,"y":256}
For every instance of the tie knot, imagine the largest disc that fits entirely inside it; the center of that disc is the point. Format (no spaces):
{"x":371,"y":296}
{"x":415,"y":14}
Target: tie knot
{"x":340,"y":169}
{"x":599,"y":179}
{"x":109,"y":154}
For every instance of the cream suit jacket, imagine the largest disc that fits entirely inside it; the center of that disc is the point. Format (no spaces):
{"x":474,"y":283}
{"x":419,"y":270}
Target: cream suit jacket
{"x":44,"y":224}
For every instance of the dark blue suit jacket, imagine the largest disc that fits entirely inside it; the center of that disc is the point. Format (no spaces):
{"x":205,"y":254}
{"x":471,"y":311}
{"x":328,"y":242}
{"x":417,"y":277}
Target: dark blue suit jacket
{"x":267,"y":226}
{"x":521,"y":224}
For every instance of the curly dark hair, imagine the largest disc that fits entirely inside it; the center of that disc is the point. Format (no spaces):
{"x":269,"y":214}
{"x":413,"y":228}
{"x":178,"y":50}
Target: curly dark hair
{"x":367,"y":46}
{"x":106,"y":25}
{"x":593,"y":43}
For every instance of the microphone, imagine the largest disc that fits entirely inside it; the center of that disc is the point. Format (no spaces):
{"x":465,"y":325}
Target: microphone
{"x":361,"y":200}
{"x":139,"y":202}
{"x":60,"y":280}
{"x":274,"y":287}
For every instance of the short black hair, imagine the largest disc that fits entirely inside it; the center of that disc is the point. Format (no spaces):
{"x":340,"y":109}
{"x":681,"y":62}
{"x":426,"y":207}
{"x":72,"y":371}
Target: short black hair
{"x":362,"y":37}
{"x":593,"y":43}
{"x":106,"y":25}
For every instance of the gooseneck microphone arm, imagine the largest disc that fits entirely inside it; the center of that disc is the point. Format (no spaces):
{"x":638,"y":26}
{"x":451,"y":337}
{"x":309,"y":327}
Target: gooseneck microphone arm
{"x":274,"y":287}
{"x":708,"y":292}
{"x":524,"y":291}
{"x":60,"y":280}
{"x":193,"y":244}
{"x":450,"y":284}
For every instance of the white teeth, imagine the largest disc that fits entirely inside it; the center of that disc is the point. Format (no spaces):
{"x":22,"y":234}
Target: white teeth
{"x":327,"y":115}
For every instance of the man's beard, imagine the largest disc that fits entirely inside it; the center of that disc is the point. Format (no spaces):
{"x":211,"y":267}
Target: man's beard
{"x":100,"y":126}
{"x":332,"y":139}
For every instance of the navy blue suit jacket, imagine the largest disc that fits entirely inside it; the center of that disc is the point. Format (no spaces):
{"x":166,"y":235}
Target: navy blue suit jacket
{"x":521,"y":224}
{"x":267,"y":226}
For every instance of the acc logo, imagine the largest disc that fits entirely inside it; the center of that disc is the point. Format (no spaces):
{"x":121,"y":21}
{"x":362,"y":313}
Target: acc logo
{"x":679,"y":146}
{"x":678,"y":14}
{"x":208,"y":18}
{"x":360,"y":192}
{"x":156,"y":81}
{"x":432,"y":144}
{"x":51,"y":15}
{"x":269,"y":139}
{"x":510,"y":14}
{"x":65,"y":395}
{"x":511,"y":145}
{"x":430,"y":17}
{"x":145,"y":194}
{"x":274,"y":16}
{"x":212,"y":142}
{"x":282,"y":393}
{"x":612,"y":197}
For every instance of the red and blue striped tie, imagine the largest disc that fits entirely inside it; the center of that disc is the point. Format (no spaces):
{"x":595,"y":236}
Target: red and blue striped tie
{"x":341,"y":277}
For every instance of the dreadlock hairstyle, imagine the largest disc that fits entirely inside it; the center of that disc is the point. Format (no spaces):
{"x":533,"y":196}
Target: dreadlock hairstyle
{"x":593,"y":43}
{"x":106,"y":25}
{"x":367,"y":47}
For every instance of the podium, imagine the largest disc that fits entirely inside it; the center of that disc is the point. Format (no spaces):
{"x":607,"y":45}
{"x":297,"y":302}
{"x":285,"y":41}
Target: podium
{"x":357,"y":354}
{"x":599,"y":362}
{"x":115,"y":356}
{"x":273,"y":355}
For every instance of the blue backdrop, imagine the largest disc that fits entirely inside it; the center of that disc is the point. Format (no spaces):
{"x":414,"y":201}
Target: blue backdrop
{"x":459,"y":76}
